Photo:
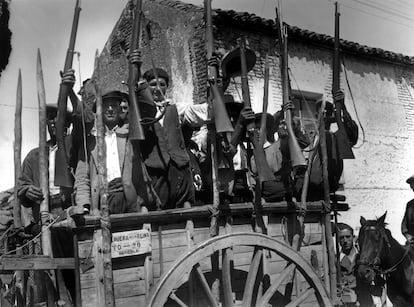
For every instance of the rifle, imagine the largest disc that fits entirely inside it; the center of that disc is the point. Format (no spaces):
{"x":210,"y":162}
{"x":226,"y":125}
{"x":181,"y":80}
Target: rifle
{"x":343,"y":143}
{"x":221,"y":118}
{"x":296,"y":156}
{"x":134,"y":116}
{"x":263,"y":169}
{"x":265,"y":102}
{"x":62,"y":173}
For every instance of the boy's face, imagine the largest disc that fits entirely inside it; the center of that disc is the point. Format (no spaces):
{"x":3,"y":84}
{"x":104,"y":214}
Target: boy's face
{"x":346,"y":240}
{"x":158,"y":95}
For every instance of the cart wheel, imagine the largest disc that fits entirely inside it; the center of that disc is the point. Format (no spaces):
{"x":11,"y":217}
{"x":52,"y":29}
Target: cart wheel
{"x":188,"y":266}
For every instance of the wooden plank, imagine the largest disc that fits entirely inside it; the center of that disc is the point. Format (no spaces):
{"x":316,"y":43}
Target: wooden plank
{"x":130,"y":288}
{"x":89,"y":298}
{"x":35,"y":263}
{"x":130,"y":301}
{"x":99,"y":275}
{"x":120,"y":276}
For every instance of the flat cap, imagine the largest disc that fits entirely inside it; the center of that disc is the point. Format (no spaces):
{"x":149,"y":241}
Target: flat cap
{"x":115,"y":95}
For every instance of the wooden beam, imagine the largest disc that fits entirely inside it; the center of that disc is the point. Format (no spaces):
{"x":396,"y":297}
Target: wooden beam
{"x":126,"y":220}
{"x":34,"y":262}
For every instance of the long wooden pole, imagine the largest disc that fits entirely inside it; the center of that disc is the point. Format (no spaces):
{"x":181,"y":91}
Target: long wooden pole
{"x":43,"y":160}
{"x":109,"y":298}
{"x":17,"y":149}
{"x":17,"y":169}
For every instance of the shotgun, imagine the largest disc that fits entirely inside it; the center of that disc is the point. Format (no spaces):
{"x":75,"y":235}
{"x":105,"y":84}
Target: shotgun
{"x":63,"y":176}
{"x":221,"y":118}
{"x":297,"y":159}
{"x":136,"y":133}
{"x":342,"y":139}
{"x":263,"y":169}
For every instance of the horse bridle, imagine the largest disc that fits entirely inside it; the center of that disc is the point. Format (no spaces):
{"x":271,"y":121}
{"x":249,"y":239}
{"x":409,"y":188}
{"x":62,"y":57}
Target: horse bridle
{"x":376,"y":262}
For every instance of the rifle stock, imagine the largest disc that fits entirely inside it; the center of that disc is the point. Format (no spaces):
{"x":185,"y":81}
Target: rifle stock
{"x":343,"y":143}
{"x":297,"y":159}
{"x":136,"y":133}
{"x":221,"y":118}
{"x":263,"y":169}
{"x":63,"y":177}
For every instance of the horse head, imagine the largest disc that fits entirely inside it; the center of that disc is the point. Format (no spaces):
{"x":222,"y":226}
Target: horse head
{"x":372,"y":241}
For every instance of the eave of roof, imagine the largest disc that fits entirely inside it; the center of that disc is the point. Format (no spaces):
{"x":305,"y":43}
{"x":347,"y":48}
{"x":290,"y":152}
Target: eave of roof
{"x":251,"y":21}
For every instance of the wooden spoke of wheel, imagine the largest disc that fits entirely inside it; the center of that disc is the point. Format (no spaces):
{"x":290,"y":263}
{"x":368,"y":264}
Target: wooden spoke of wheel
{"x":226,"y":278}
{"x":192,"y":258}
{"x":176,"y":299}
{"x":204,"y":285}
{"x":302,"y":297}
{"x":275,"y":285}
{"x":251,"y":277}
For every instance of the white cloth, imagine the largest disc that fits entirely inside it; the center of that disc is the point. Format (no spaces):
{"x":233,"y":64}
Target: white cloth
{"x":194,"y":115}
{"x":53,"y":190}
{"x":113,"y":169}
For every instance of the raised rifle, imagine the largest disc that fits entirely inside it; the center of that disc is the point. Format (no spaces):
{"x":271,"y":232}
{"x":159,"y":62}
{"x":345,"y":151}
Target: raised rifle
{"x":221,"y":118}
{"x":63,"y":176}
{"x":342,"y":139}
{"x":134,"y":116}
{"x":263,"y":120}
{"x":263,"y":169}
{"x":296,"y":157}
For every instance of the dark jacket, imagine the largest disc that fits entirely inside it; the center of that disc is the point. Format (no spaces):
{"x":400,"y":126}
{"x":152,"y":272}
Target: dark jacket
{"x":165,"y":143}
{"x":407,"y":225}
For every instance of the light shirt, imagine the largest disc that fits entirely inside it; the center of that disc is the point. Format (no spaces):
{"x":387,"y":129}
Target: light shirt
{"x":53,"y":190}
{"x":113,"y":169}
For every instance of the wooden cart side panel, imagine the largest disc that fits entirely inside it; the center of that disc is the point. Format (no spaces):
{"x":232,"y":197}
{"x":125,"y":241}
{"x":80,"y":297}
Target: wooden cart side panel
{"x":129,"y":272}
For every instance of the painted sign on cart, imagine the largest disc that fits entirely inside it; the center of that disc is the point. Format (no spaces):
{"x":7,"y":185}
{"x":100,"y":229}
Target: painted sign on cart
{"x":131,"y":243}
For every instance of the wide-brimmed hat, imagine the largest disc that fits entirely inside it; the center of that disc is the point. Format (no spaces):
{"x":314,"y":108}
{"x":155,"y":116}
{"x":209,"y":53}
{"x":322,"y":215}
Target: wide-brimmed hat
{"x":231,"y":64}
{"x":410,"y":179}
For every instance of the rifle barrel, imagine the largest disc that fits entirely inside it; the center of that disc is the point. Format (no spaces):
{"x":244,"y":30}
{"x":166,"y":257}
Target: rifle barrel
{"x":135,"y":128}
{"x":62,"y":172}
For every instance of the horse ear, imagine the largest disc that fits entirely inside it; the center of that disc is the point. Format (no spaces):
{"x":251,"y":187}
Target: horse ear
{"x":382,"y":218}
{"x":362,"y":221}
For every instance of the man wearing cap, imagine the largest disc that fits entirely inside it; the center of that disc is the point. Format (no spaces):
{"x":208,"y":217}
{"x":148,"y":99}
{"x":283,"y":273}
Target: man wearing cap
{"x":407,"y":225}
{"x":122,"y":196}
{"x":28,"y":185}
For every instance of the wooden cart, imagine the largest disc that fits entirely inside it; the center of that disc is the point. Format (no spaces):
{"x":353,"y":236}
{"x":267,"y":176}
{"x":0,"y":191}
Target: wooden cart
{"x":169,"y":258}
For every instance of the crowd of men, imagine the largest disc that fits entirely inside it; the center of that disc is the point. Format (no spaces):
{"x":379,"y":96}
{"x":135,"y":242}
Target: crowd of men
{"x":171,"y":167}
